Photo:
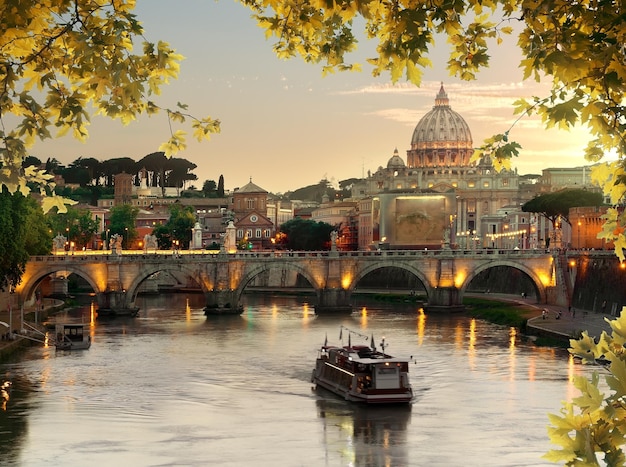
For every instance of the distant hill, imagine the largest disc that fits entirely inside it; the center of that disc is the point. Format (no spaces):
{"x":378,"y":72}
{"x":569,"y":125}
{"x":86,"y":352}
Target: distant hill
{"x":323,"y":187}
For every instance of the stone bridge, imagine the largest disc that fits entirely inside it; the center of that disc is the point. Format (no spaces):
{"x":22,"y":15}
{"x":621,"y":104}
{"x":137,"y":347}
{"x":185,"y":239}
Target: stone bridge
{"x":445,"y":274}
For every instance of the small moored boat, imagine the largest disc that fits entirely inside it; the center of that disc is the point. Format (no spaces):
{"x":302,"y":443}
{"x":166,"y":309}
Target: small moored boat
{"x":72,"y":337}
{"x":361,"y":373}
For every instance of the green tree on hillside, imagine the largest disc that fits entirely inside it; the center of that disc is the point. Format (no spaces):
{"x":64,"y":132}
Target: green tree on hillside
{"x":177,"y":230}
{"x":111,"y":167}
{"x":179,"y":172}
{"x":305,"y":234}
{"x":209,"y":188}
{"x":122,"y":220}
{"x":75,"y":224}
{"x":314,"y":192}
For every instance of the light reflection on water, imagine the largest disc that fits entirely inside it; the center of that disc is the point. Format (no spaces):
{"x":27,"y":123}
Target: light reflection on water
{"x":173,"y":387}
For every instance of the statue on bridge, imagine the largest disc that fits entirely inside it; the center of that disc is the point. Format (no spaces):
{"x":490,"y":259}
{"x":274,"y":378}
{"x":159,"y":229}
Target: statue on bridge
{"x":58,"y":243}
{"x":149,"y":243}
{"x":229,"y":244}
{"x":116,"y":244}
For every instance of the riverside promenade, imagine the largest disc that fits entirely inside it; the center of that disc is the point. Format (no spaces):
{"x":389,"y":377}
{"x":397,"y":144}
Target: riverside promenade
{"x":568,"y":326}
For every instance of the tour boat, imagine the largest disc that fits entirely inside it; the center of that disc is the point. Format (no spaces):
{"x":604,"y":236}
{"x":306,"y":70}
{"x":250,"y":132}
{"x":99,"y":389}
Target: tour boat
{"x":361,"y":373}
{"x":72,"y":337}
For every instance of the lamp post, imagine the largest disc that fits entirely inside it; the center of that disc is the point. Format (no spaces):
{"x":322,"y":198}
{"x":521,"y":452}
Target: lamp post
{"x":578,"y":245}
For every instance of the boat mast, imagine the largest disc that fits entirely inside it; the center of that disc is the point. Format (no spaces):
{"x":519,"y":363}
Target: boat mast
{"x":350,"y":332}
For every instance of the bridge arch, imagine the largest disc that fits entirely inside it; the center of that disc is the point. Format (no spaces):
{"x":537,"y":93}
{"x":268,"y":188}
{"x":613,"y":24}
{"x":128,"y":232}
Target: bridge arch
{"x":362,"y":272}
{"x":535,"y":279}
{"x":173,"y":269}
{"x":30,"y":282}
{"x":260,"y":268}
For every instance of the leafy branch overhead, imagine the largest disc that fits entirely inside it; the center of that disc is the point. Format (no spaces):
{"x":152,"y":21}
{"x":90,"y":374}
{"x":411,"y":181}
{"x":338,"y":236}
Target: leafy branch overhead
{"x":59,"y":60}
{"x":578,"y":46}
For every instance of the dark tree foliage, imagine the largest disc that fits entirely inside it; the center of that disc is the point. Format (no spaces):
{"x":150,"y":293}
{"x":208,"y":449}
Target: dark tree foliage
{"x":31,"y":160}
{"x":306,"y":234}
{"x":313,"y":192}
{"x":179,"y":172}
{"x":37,"y":235}
{"x":177,"y":228}
{"x":76,"y":225}
{"x":13,"y":254}
{"x":111,"y":167}
{"x":84,"y":170}
{"x":122,"y":222}
{"x":557,"y":204}
{"x":163,"y":236}
{"x":52,"y":165}
{"x":323,"y":188}
{"x":76,"y":176}
{"x":156,"y":163}
{"x":209,"y":188}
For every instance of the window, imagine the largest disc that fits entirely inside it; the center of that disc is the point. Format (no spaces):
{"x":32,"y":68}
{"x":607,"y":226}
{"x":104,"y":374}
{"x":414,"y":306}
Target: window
{"x":266,"y":233}
{"x":249,"y":233}
{"x":258,"y":233}
{"x":240,"y":233}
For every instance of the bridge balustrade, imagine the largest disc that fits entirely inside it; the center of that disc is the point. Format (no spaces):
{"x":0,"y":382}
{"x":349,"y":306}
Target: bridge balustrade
{"x":105,"y":255}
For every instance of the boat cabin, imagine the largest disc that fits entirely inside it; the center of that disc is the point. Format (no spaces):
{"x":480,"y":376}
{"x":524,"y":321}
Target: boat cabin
{"x":72,"y":336}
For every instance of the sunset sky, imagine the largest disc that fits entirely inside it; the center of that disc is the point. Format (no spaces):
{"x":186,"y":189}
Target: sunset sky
{"x":285,"y":126}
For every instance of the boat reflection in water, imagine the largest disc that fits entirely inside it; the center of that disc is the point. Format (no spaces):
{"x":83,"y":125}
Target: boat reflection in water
{"x":365,"y":435}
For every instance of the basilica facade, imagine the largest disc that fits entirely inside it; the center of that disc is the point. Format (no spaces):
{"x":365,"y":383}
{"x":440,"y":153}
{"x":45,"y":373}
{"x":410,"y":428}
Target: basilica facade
{"x":463,"y":203}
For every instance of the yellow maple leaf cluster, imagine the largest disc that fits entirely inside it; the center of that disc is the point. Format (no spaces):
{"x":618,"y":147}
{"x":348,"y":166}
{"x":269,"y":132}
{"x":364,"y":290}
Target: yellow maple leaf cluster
{"x":578,"y":46}
{"x":591,"y":429}
{"x":58,"y":59}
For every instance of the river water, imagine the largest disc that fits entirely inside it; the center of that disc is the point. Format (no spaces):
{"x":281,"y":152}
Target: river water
{"x":175,"y":388}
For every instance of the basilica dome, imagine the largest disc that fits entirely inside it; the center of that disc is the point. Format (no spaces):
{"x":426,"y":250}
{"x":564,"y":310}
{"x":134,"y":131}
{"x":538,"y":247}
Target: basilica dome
{"x":442,"y":138}
{"x":395,"y":162}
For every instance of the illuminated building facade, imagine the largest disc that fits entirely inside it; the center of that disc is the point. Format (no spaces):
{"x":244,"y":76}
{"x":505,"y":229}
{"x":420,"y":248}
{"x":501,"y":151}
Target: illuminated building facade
{"x":439,"y":163}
